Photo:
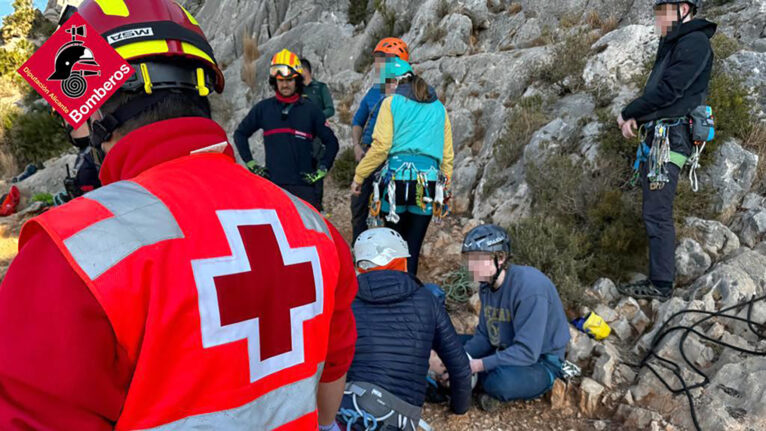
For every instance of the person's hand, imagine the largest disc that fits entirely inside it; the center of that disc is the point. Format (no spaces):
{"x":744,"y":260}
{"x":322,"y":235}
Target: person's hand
{"x":358,"y":152}
{"x":356,"y":188}
{"x":255,"y":168}
{"x":620,"y":121}
{"x":435,"y":364}
{"x":315,"y":176}
{"x":477,"y":366}
{"x":628,"y":128}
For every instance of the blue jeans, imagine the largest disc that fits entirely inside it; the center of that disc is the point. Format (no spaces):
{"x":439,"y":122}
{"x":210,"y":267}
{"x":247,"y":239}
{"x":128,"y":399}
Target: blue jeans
{"x":508,"y":383}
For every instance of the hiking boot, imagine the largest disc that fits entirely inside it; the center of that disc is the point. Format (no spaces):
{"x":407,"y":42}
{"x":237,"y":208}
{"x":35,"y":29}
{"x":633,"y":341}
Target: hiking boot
{"x":645,"y":289}
{"x":488,"y":403}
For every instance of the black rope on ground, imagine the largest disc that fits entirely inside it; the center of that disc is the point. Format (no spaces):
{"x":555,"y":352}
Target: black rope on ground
{"x":759,"y":329}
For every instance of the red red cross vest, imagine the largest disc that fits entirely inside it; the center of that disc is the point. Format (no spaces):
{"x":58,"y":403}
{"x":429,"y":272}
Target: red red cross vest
{"x":220,"y":287}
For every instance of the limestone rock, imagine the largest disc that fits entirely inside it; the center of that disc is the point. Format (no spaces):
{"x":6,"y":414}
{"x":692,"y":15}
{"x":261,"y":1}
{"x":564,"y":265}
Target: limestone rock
{"x":623,"y":53}
{"x":628,"y":308}
{"x":605,"y":290}
{"x":590,"y":395}
{"x":732,"y":175}
{"x":640,"y":322}
{"x":608,"y":359}
{"x":580,"y":347}
{"x":751,"y":226}
{"x":715,"y":238}
{"x":606,"y":313}
{"x":691,"y":261}
{"x":622,"y":329}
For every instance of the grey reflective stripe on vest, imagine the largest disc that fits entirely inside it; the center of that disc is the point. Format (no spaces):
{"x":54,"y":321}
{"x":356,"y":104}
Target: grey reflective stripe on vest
{"x":310,"y":218}
{"x":139,"y":219}
{"x":270,"y":411}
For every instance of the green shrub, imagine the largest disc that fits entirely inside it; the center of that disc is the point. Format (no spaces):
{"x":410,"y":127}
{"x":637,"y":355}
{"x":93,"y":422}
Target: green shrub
{"x":585,"y":226}
{"x":46,"y":198}
{"x":34,"y":136}
{"x":19,"y":23}
{"x":525,"y":120}
{"x":568,"y":62}
{"x":724,"y":46}
{"x":732,"y":106}
{"x":342,"y":171}
{"x":357,"y":12}
{"x":556,"y":249}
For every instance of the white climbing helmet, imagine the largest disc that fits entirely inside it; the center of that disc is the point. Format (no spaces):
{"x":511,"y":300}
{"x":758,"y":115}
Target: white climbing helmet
{"x":378,"y":247}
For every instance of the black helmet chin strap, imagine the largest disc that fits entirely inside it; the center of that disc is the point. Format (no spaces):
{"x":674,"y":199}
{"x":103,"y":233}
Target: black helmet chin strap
{"x":678,"y":13}
{"x":498,"y":269}
{"x":101,"y":130}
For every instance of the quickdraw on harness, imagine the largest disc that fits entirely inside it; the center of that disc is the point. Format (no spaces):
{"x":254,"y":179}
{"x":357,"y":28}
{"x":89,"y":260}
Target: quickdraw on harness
{"x":441,"y":197}
{"x":657,"y":156}
{"x":373,"y":220}
{"x":406,"y":172}
{"x":421,"y":192}
{"x":392,"y":216}
{"x":702,"y":130}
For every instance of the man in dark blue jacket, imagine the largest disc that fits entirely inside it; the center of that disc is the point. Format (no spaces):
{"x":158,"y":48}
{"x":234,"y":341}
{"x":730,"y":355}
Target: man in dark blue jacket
{"x":520,"y":344}
{"x":677,"y":85}
{"x":398,"y":323}
{"x":290,"y":123}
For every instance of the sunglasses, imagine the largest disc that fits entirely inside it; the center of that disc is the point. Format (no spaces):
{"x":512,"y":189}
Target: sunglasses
{"x":281,"y":71}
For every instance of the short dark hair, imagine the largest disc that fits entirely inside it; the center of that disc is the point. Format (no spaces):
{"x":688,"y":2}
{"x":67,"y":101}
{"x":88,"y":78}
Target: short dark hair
{"x":306,"y":64}
{"x":176,"y":104}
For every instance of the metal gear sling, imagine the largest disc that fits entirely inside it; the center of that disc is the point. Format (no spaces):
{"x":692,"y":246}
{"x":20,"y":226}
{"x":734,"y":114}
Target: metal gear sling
{"x":387,"y":178}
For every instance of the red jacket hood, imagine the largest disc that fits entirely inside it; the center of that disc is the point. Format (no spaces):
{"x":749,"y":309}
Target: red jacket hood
{"x":160,"y":142}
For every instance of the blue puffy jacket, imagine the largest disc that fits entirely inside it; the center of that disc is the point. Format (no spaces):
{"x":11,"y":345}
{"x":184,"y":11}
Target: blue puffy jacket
{"x":398,"y":322}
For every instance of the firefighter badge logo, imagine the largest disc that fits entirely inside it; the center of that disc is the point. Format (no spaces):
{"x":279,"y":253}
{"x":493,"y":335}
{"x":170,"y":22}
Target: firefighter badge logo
{"x":74,"y":63}
{"x":76,"y":70}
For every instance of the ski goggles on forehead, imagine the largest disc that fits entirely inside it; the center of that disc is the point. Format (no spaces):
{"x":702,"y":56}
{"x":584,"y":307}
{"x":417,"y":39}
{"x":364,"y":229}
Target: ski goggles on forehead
{"x":281,"y":71}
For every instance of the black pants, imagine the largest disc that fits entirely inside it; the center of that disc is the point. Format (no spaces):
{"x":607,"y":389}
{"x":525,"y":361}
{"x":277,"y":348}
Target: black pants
{"x":360,"y":208}
{"x":413,"y":228}
{"x":309,"y":193}
{"x":657,"y":210}
{"x":658,"y":219}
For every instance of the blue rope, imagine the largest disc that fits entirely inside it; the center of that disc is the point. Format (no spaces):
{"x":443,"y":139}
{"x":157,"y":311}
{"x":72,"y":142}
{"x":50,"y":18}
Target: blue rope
{"x":351,"y":416}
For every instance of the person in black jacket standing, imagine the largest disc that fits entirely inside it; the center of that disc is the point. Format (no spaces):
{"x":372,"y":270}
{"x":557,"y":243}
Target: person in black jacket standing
{"x":290,"y":123}
{"x":676,"y":86}
{"x":398,"y":322}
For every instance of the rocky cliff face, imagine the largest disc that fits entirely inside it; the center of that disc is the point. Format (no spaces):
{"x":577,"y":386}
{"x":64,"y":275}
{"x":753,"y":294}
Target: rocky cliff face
{"x":523,"y":81}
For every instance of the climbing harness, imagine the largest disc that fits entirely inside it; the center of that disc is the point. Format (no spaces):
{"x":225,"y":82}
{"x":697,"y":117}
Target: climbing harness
{"x":758,"y":329}
{"x":379,"y":409}
{"x":702,"y":130}
{"x":408,"y":173}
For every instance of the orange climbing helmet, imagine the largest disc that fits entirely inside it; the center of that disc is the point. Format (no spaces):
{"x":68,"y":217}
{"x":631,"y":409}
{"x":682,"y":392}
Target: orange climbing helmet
{"x":393,"y":46}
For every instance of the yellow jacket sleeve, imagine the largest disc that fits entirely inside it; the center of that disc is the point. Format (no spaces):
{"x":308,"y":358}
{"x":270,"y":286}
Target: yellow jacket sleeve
{"x":449,"y":153}
{"x":382,"y":138}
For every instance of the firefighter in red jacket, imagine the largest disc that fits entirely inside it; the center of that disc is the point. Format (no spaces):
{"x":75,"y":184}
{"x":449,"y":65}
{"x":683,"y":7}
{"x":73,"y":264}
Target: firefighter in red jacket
{"x":186,"y":293}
